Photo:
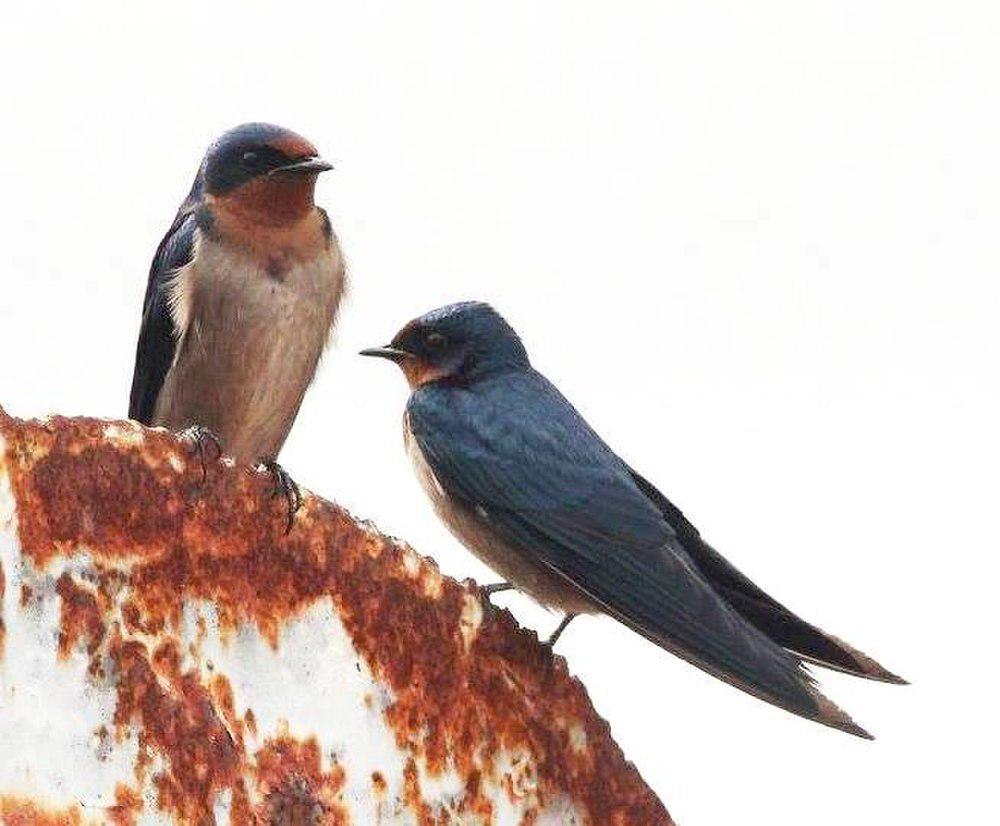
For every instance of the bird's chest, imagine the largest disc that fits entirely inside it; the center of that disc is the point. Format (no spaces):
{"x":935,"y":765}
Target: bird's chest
{"x":249,"y":343}
{"x":265,"y":300}
{"x":249,"y":339}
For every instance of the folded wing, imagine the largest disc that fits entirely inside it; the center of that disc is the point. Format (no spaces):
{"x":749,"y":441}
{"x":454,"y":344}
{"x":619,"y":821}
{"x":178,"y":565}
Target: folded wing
{"x":513,"y":447}
{"x":760,"y":609}
{"x":157,"y":337}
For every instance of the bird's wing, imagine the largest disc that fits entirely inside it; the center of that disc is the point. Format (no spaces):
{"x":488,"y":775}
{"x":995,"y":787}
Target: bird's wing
{"x":757,"y":607}
{"x":157,"y":336}
{"x":514,"y":448}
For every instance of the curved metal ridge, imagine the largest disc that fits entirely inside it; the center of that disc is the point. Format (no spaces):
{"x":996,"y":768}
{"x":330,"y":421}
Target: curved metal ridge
{"x":169,"y":654}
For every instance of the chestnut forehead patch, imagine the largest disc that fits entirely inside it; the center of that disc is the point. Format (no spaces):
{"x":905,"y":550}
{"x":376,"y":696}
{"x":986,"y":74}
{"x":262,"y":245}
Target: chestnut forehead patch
{"x":407,"y":332}
{"x":294,"y":146}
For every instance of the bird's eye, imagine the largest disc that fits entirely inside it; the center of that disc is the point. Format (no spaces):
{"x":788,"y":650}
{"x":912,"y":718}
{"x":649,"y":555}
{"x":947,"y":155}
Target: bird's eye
{"x":435,"y":342}
{"x":250,"y":160}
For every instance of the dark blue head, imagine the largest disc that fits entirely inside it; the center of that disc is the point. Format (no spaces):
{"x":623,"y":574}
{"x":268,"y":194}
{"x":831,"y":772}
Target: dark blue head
{"x":459,"y":343}
{"x":255,"y":151}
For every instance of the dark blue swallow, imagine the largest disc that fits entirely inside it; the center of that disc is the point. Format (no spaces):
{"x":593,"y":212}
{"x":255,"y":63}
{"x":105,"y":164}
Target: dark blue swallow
{"x":525,"y":483}
{"x":242,"y":295}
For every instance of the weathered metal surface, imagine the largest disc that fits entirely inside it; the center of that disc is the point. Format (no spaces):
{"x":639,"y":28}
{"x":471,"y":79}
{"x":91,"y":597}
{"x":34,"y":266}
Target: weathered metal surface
{"x":169,"y":654}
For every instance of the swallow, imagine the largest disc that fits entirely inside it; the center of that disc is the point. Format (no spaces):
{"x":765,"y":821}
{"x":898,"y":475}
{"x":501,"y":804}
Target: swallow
{"x":242,"y":296}
{"x":523,"y":481}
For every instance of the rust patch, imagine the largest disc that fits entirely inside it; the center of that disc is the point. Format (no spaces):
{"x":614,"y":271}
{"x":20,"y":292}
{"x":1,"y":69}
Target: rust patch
{"x":225,"y":705}
{"x":295,"y":790}
{"x":135,"y":622}
{"x":128,"y":805}
{"x":413,"y":797}
{"x":475,"y":802}
{"x":455,"y":706}
{"x":125,"y":506}
{"x":21,"y":811}
{"x":27,"y":594}
{"x":250,"y":722}
{"x":81,"y":619}
{"x":180,"y":724}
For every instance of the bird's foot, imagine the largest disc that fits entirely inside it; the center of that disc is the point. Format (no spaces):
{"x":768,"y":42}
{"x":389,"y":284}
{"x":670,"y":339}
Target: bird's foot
{"x":550,"y":643}
{"x":486,"y":591}
{"x":284,"y":486}
{"x":200,"y":437}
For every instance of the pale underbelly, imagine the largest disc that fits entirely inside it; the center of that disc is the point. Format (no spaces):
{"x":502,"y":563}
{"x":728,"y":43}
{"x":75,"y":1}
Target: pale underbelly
{"x":243,"y":376}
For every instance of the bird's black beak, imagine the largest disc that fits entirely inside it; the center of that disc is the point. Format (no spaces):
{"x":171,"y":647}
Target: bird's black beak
{"x":307,"y":165}
{"x":391,"y":353}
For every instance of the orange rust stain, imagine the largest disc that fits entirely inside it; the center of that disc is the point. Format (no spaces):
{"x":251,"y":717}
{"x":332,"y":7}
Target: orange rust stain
{"x":224,"y":541}
{"x":294,"y":789}
{"x":27,"y":594}
{"x":80,"y":619}
{"x":123,"y":506}
{"x":413,"y":797}
{"x":128,"y":805}
{"x":250,"y":721}
{"x":182,"y":726}
{"x":166,"y":660}
{"x":475,"y":801}
{"x":222,"y":693}
{"x":222,"y":697}
{"x":135,"y":622}
{"x":21,"y":811}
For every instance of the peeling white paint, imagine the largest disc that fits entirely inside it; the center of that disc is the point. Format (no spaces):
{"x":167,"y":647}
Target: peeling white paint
{"x":471,"y":618}
{"x":57,"y":739}
{"x":125,"y":434}
{"x":50,"y":710}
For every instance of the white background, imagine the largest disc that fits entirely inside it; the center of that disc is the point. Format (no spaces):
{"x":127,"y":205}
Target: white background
{"x":755,"y":243}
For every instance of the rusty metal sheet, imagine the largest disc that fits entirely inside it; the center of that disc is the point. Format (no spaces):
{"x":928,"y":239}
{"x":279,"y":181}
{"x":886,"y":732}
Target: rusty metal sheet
{"x":169,"y":654}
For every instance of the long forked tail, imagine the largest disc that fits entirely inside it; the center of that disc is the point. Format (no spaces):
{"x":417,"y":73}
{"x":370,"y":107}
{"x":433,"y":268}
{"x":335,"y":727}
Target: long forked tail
{"x":668,"y":601}
{"x":762,"y":611}
{"x":804,"y":698}
{"x":800,"y":637}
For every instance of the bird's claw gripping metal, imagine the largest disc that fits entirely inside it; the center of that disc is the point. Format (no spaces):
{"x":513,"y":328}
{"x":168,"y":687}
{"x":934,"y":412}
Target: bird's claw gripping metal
{"x":201,"y":436}
{"x":284,"y":486}
{"x":550,"y":643}
{"x":486,"y":591}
